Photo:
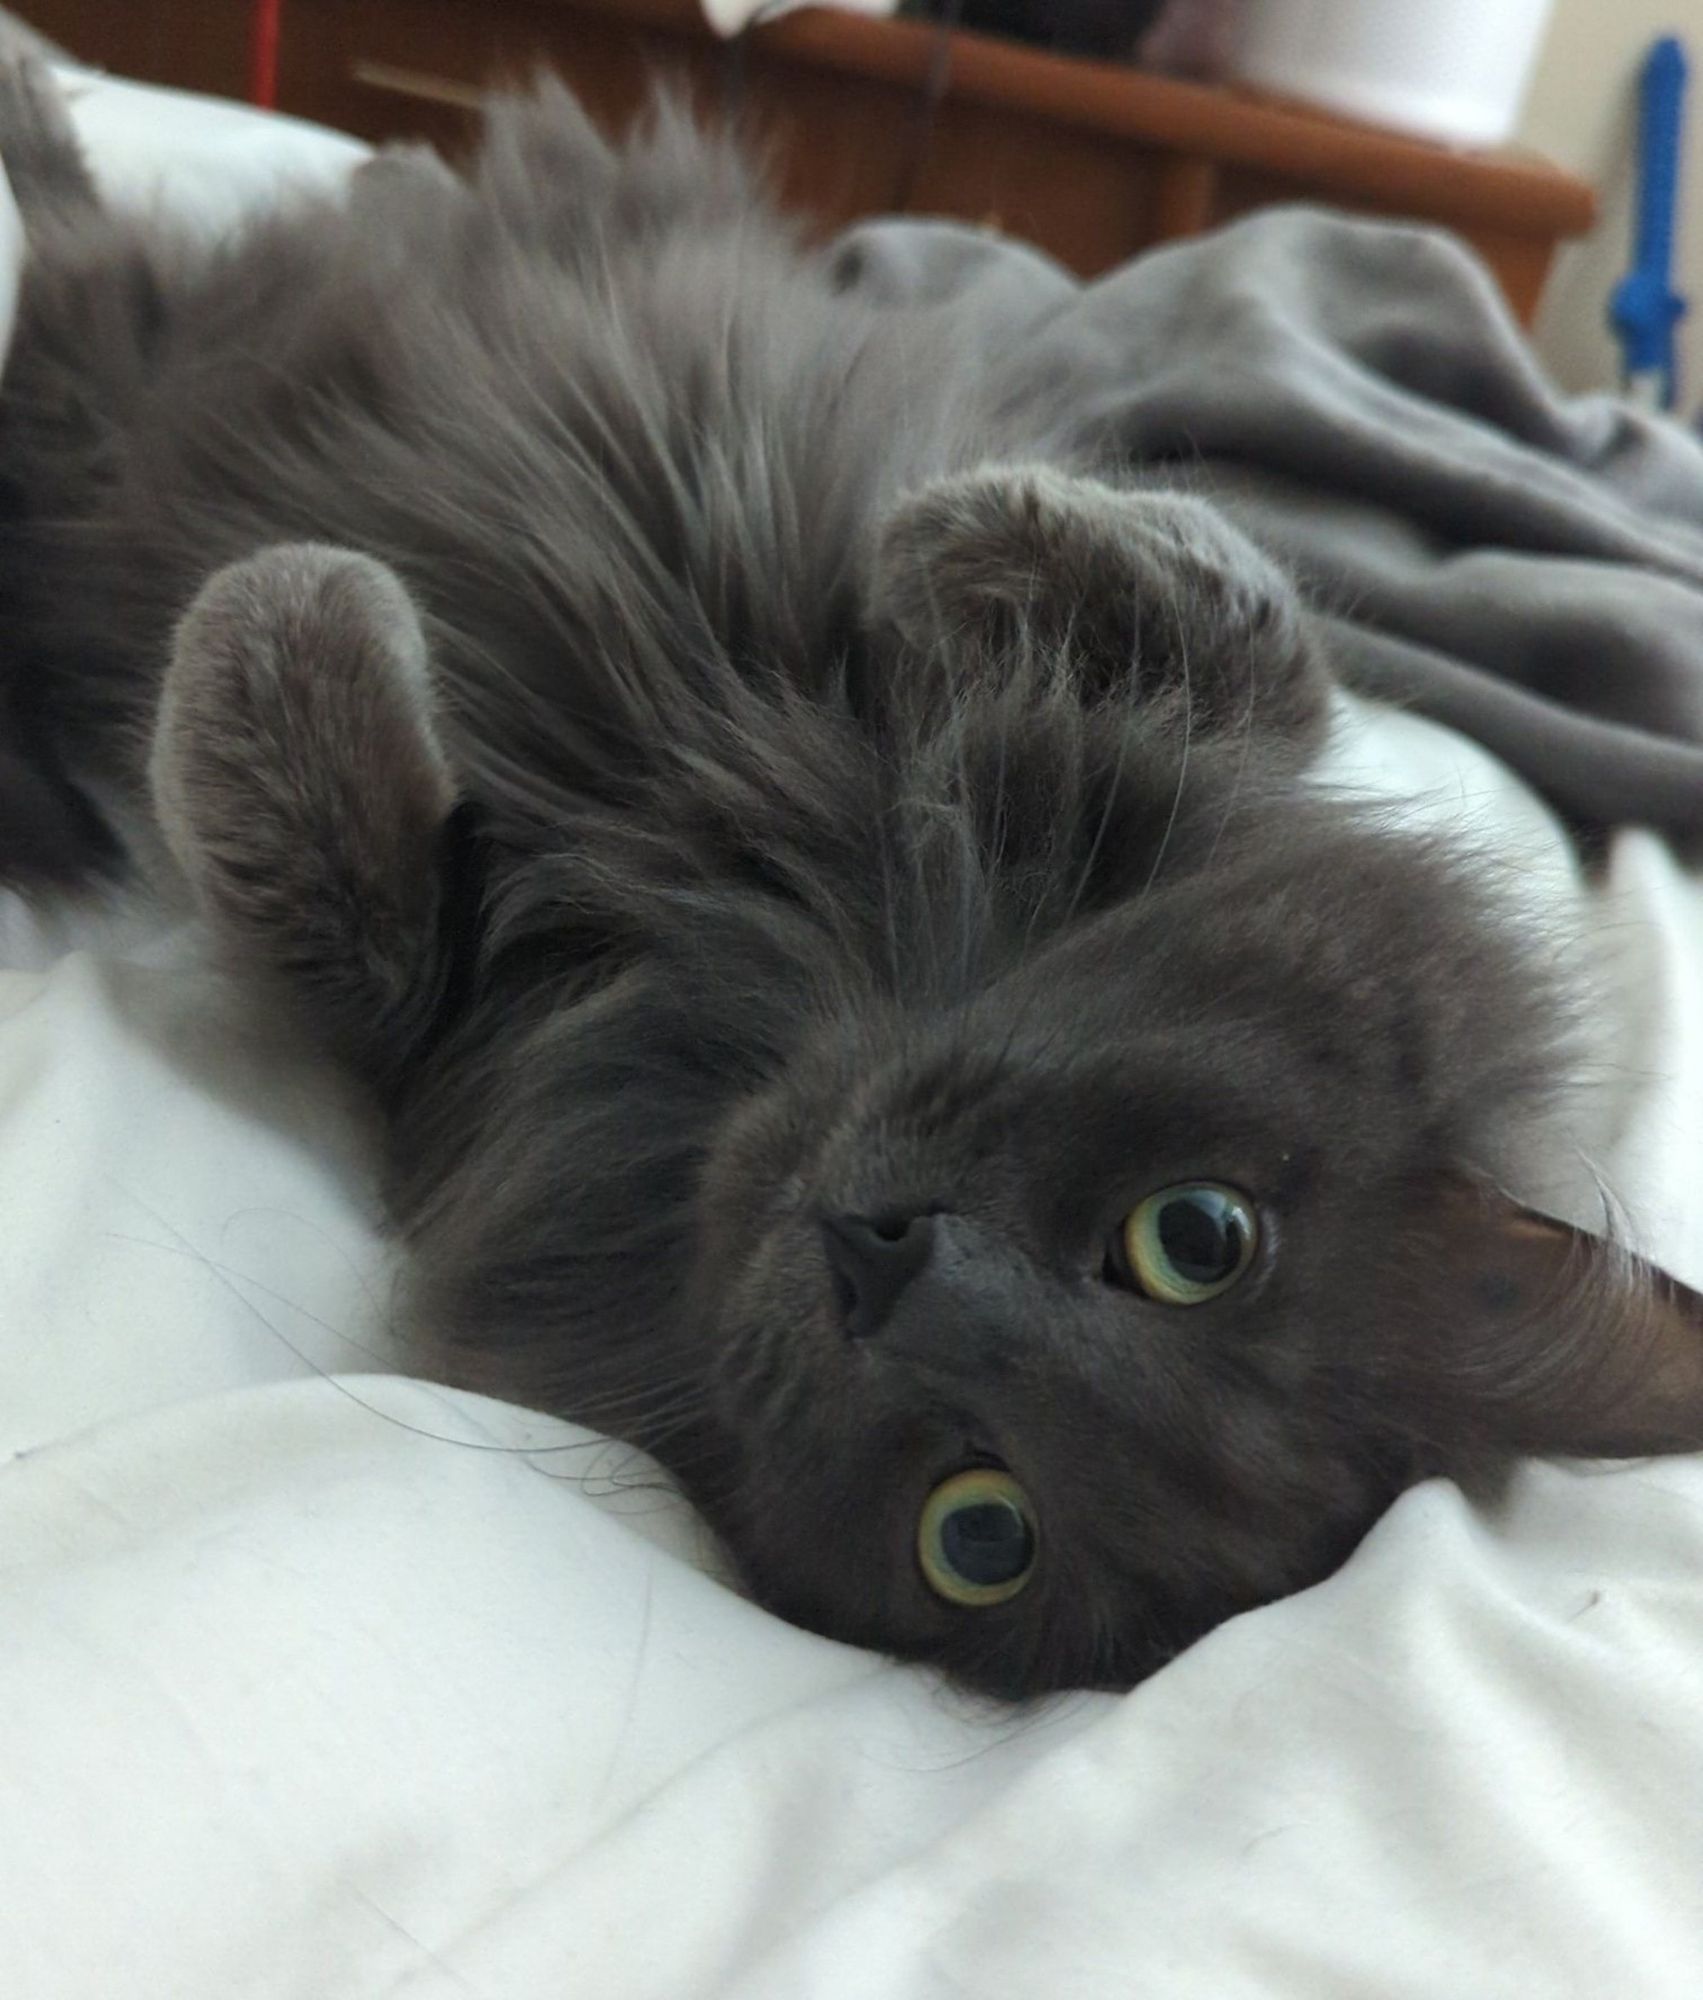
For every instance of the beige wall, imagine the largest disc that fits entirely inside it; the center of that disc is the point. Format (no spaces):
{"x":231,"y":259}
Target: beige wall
{"x":1582,"y":112}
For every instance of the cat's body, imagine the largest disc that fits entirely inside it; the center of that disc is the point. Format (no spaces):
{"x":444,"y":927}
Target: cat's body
{"x":883,"y":861}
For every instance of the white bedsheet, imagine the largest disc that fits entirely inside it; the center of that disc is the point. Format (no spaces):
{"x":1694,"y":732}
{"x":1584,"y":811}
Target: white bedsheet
{"x":318,"y":1682}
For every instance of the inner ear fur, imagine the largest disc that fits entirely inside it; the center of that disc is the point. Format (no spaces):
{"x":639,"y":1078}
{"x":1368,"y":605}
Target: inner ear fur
{"x":1547,"y":1340}
{"x":300,"y":783}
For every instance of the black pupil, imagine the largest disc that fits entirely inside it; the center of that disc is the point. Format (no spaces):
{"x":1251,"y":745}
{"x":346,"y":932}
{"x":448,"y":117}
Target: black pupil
{"x":1202,"y":1236}
{"x":987,"y":1542}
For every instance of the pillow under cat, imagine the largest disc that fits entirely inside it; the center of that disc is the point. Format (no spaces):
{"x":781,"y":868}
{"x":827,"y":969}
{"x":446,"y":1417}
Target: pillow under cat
{"x":821,"y":881}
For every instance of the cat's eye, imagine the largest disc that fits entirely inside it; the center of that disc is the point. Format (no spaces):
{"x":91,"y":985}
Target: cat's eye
{"x":976,"y":1539}
{"x":1184,"y":1245}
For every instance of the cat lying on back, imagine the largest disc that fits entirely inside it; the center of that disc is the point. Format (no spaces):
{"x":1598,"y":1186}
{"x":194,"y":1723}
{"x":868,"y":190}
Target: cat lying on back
{"x":821,"y":880}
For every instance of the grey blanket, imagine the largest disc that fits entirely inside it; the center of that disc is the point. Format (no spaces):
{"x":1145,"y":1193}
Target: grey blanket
{"x":1523,"y":566}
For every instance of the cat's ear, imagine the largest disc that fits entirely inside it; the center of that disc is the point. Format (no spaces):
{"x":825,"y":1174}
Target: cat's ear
{"x":300,"y":783}
{"x":1544,"y":1339}
{"x":1133,"y":590}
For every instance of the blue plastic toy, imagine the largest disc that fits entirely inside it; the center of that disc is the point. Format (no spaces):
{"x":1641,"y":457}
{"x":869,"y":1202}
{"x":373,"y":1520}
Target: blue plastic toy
{"x":1645,"y":308}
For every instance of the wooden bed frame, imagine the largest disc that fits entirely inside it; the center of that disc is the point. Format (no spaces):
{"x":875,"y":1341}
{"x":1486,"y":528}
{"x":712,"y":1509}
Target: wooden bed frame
{"x":1090,"y":161}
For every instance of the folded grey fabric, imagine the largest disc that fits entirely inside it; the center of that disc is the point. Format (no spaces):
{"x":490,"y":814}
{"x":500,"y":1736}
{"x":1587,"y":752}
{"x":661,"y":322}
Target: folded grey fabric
{"x":1524,"y":566}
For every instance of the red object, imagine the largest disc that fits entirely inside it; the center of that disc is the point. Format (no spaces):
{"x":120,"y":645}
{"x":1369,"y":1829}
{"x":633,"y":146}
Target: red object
{"x":268,"y":19}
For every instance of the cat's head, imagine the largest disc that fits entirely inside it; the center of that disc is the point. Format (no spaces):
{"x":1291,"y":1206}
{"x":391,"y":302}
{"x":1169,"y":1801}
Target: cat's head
{"x":1057,"y":1327}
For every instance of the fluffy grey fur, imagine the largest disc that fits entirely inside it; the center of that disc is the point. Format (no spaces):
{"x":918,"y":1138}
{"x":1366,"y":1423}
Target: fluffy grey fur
{"x":800,"y":857}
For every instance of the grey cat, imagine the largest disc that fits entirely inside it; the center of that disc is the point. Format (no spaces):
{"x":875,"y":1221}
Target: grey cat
{"x":821,"y":879}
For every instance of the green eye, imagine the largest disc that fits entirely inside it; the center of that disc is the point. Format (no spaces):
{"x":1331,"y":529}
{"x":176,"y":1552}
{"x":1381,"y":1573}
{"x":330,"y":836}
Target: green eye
{"x":976,"y":1539}
{"x":1186,"y":1244}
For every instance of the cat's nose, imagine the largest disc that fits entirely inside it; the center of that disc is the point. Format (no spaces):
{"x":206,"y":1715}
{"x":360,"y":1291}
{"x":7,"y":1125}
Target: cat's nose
{"x":873,"y":1258}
